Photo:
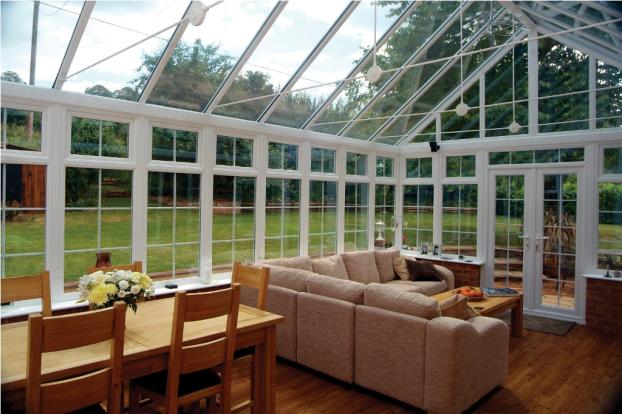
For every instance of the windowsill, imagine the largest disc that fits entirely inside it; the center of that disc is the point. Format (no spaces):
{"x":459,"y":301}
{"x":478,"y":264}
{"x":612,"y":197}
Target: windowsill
{"x":12,"y":311}
{"x":602,"y":277}
{"x":443,"y":258}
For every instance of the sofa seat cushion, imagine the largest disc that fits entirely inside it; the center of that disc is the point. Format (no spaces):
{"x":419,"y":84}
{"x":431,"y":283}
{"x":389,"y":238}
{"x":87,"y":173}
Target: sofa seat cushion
{"x":361,"y":266}
{"x":403,"y":286}
{"x":332,"y":266}
{"x":341,"y":289}
{"x":289,"y":278}
{"x":300,"y":262}
{"x":430,"y":288}
{"x":410,"y":303}
{"x":384,"y":262}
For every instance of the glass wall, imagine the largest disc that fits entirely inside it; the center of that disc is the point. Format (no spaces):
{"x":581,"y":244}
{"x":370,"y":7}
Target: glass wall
{"x":460,"y":219}
{"x":356,"y":164}
{"x":282,"y":218}
{"x":282,"y":156}
{"x":384,"y":221}
{"x":173,"y":145}
{"x":322,"y":218}
{"x":418,"y":216}
{"x":323,"y":160}
{"x":233,"y":151}
{"x":610,"y":211}
{"x":99,"y":137}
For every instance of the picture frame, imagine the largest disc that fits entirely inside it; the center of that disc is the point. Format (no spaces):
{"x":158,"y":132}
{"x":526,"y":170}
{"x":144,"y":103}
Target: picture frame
{"x":436,"y":250}
{"x":423,"y":249}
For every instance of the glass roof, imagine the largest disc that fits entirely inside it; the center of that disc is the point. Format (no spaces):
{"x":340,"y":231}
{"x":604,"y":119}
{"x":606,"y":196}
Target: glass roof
{"x":301,"y":63}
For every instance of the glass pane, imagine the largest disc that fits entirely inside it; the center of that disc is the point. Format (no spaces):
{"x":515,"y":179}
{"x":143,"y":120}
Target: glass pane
{"x":116,"y":228}
{"x":116,"y":190}
{"x":187,"y":225}
{"x":186,"y":261}
{"x":608,"y":100}
{"x":24,"y":232}
{"x":161,"y":189}
{"x":612,"y":163}
{"x":610,"y":226}
{"x":160,"y":226}
{"x":243,"y":152}
{"x":20,"y":265}
{"x":160,"y":262}
{"x":224,"y":150}
{"x":186,"y":148}
{"x":114,"y":136}
{"x":162,"y":143}
{"x":21,"y":130}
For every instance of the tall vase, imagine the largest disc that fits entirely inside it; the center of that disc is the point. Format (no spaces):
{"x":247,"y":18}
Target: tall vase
{"x":103,"y":259}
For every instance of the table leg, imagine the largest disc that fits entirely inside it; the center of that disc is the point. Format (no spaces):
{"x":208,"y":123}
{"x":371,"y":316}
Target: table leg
{"x":517,"y":318}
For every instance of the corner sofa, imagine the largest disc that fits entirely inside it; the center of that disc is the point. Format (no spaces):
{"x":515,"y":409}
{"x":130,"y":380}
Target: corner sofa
{"x":350,"y":317}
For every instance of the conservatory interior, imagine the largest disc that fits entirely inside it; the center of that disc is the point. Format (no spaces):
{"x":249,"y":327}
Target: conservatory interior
{"x":358,"y":206}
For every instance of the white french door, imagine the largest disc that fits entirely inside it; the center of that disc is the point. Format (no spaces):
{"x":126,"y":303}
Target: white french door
{"x":534,"y":224}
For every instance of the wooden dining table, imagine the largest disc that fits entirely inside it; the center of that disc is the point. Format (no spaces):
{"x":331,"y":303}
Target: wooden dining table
{"x":147,"y":341}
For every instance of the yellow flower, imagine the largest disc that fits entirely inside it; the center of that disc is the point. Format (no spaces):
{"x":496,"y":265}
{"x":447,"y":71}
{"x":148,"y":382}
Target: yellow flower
{"x":98,"y":295}
{"x":111,"y":289}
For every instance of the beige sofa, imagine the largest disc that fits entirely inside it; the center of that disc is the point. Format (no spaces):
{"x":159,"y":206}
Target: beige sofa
{"x":349,"y":317}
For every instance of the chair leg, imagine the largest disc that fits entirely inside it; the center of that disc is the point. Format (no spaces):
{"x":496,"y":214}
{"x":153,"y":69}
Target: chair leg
{"x":134,"y":399}
{"x":195,"y":408}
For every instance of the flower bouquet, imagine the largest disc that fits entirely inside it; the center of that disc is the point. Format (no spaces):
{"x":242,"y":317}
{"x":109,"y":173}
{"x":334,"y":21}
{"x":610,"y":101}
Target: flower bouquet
{"x":102,"y":290}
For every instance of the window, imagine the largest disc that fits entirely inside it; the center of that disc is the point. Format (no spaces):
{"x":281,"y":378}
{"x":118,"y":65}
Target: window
{"x":173,"y":225}
{"x":537,"y":156}
{"x":21,"y":130}
{"x":419,"y":167}
{"x":609,"y":98}
{"x":356,"y":217}
{"x":233,"y":224}
{"x":322,"y":218}
{"x":23,"y":219}
{"x":282,"y":217}
{"x":323,"y":160}
{"x":460,"y":219}
{"x":98,"y":217}
{"x":356,"y":164}
{"x":385,"y":216}
{"x":233,"y":151}
{"x":418,"y":220}
{"x":173,"y":145}
{"x":282,"y":156}
{"x":99,"y":138}
{"x":610,"y":212}
{"x":460,"y":166}
{"x":384,"y":167}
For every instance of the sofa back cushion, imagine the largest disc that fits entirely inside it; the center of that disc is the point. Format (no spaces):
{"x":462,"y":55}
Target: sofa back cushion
{"x":300,"y":262}
{"x":409,"y":303}
{"x":361,"y":266}
{"x":330,"y":266}
{"x":341,"y":289}
{"x":384,"y":262}
{"x":289,"y":278}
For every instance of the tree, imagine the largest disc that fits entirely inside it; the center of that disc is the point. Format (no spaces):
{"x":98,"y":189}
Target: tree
{"x":99,"y":90}
{"x":10,"y":76}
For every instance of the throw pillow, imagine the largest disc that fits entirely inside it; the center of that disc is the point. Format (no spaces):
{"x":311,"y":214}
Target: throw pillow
{"x":457,"y":307}
{"x":399,"y":265}
{"x":422,"y":271}
{"x":330,"y":266}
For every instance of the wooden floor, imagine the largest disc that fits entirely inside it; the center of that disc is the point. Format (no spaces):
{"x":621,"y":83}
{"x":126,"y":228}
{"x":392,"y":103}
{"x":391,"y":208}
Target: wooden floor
{"x":578,"y":373}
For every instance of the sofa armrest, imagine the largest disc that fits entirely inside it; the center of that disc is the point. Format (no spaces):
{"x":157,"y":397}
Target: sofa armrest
{"x":455,"y":350}
{"x":282,"y":301}
{"x":447,"y":275}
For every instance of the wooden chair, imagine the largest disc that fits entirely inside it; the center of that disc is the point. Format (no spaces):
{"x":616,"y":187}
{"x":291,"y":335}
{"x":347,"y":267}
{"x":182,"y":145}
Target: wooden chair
{"x":256,"y":278}
{"x":134,"y":267}
{"x":82,"y":392}
{"x":28,"y":287}
{"x":191,"y":375}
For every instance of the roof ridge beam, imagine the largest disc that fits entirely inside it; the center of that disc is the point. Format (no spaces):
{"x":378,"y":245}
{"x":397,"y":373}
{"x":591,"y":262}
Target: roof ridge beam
{"x":364,"y":60}
{"x":468,"y":82}
{"x":345,"y":14}
{"x":433,"y":78}
{"x":586,"y":20}
{"x":74,"y":42}
{"x":164,"y":57}
{"x":519,"y":14}
{"x":441,"y":30}
{"x":250,"y":49}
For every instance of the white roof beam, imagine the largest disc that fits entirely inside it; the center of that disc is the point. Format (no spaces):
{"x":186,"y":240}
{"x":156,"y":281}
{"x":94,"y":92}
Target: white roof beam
{"x":261,"y":33}
{"x":615,"y":35}
{"x":518,"y":13}
{"x":74,"y":42}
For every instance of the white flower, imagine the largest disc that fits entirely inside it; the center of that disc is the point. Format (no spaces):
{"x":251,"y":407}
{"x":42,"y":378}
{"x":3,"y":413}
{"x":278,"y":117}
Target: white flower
{"x":135,"y":290}
{"x":123,"y":284}
{"x":121,"y":294}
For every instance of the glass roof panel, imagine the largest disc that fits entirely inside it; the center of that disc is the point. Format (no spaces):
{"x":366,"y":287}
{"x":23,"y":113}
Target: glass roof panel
{"x":298,"y":29}
{"x":56,"y":22}
{"x":207,"y":53}
{"x":113,"y":26}
{"x":334,"y":63}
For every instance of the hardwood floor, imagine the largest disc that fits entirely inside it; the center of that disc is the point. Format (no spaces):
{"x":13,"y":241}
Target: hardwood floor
{"x":578,"y":373}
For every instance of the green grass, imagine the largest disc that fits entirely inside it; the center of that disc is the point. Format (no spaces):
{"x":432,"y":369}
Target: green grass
{"x":26,"y":233}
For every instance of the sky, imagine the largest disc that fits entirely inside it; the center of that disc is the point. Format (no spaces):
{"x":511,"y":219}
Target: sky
{"x":117,"y":24}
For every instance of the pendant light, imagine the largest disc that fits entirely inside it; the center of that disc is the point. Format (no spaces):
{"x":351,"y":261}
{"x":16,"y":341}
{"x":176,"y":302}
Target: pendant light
{"x":514,"y":127}
{"x":461,"y":109}
{"x":374,"y":72}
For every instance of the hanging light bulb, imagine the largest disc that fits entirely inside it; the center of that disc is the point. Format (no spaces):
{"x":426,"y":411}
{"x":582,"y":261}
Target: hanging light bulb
{"x":514,"y":126}
{"x":197,"y":12}
{"x":461,"y":109}
{"x":374,"y":73}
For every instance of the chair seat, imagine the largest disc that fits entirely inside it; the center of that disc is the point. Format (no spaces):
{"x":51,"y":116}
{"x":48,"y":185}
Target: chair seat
{"x":92,"y":409}
{"x":243,"y":352}
{"x":188,"y":383}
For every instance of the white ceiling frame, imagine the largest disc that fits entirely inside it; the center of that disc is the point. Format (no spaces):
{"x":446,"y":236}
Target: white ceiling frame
{"x":431,"y":81}
{"x":248,"y":52}
{"x":364,"y":61}
{"x":518,"y":13}
{"x":74,"y":42}
{"x":164,"y":57}
{"x":468,"y":82}
{"x":420,"y":52}
{"x":604,"y":9}
{"x":309,"y":60}
{"x":615,"y":35}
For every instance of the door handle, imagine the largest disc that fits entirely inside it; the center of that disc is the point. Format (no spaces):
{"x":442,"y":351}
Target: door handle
{"x":542,"y":238}
{"x":526,"y":240}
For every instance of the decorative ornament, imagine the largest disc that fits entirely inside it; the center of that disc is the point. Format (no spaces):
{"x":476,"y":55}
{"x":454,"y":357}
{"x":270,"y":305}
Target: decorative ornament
{"x":373,"y":74}
{"x":514,"y":127}
{"x":462,"y":109}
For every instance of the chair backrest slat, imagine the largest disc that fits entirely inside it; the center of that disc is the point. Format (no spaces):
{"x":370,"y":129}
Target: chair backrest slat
{"x":252,"y":277}
{"x":134,"y":267}
{"x":28,"y":287}
{"x":203,"y":356}
{"x":208,"y":305}
{"x":72,"y":331}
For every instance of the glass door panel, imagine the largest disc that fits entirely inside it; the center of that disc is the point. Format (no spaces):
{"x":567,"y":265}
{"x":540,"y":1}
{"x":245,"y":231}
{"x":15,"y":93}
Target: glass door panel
{"x":557,"y":243}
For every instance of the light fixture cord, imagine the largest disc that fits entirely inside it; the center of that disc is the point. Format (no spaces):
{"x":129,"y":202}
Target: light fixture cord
{"x":375,"y":19}
{"x":513,"y":77}
{"x":461,"y":71}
